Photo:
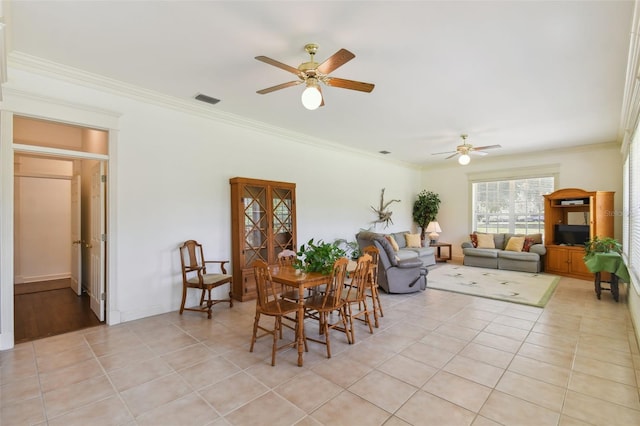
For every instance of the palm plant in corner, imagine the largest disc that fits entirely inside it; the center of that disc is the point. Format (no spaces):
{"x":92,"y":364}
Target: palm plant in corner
{"x":318,"y":257}
{"x":425,"y":210}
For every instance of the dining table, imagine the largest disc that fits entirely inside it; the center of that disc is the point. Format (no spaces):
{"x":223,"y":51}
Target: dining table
{"x":292,"y":277}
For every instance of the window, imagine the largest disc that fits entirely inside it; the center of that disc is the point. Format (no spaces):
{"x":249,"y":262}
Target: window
{"x":514,"y":205}
{"x":631,"y":216}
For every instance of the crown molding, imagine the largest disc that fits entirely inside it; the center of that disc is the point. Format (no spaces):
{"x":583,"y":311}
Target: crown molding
{"x":39,"y":66}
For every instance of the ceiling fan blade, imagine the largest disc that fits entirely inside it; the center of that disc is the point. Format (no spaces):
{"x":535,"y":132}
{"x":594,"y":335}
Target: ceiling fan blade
{"x":280,"y":65}
{"x":338,"y":59}
{"x":476,"y":152}
{"x":278,"y":87}
{"x":452,"y":155}
{"x":350,"y":84}
{"x":480,"y":148}
{"x":446,"y":152}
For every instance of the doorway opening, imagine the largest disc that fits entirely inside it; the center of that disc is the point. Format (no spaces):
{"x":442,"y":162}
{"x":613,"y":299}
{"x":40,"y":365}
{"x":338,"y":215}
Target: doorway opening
{"x":59,"y":227}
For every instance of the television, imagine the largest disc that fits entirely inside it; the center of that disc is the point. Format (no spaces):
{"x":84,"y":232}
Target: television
{"x":571,"y":235}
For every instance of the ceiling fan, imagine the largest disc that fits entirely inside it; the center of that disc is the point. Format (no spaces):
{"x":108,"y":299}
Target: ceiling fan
{"x":311,"y":73}
{"x":465,"y":149}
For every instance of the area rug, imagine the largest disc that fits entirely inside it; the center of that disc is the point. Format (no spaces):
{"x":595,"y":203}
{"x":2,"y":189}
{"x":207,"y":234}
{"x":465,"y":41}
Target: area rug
{"x":526,"y":288}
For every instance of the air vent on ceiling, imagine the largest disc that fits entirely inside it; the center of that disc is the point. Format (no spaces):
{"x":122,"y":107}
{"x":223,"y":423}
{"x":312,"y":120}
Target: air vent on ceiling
{"x":385,"y":152}
{"x":207,"y":99}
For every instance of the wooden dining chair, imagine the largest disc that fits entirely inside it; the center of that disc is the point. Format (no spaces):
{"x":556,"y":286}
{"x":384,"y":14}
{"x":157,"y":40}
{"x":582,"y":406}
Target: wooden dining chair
{"x":269,"y":303}
{"x":288,"y":258}
{"x":354,"y":295}
{"x":323,"y":304}
{"x":372,"y":283}
{"x":195,"y":275}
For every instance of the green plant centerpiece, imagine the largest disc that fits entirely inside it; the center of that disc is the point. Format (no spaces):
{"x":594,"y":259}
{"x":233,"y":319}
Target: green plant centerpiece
{"x":318,"y":257}
{"x":425,"y":209}
{"x":602,"y":245}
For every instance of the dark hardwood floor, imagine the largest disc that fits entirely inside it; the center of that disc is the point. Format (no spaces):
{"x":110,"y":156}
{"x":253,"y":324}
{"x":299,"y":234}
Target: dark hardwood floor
{"x":40,"y":313}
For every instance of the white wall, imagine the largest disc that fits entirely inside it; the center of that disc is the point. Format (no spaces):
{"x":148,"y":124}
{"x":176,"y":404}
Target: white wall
{"x":597,"y":168}
{"x":173,"y":172}
{"x":172,"y":184}
{"x":42,"y":224}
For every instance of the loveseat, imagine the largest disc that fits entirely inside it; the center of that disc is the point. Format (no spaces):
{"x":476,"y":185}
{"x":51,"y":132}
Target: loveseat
{"x":399,"y":271}
{"x":525,"y":253}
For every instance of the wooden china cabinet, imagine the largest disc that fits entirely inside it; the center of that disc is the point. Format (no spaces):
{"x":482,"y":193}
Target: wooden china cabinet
{"x":597,"y":209}
{"x":263,"y":223}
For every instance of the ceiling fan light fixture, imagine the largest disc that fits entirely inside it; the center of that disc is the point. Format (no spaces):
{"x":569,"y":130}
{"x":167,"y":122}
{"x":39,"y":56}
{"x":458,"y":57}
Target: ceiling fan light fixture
{"x":311,"y":96}
{"x":312,"y":73}
{"x":464,"y":159}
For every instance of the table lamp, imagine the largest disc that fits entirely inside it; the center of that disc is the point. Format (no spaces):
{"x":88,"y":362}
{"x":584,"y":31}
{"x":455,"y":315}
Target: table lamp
{"x":433,"y":228}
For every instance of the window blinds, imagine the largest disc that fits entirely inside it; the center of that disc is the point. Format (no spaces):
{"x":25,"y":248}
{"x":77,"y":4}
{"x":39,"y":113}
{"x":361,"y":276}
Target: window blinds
{"x":632,"y":213}
{"x":514,"y":205}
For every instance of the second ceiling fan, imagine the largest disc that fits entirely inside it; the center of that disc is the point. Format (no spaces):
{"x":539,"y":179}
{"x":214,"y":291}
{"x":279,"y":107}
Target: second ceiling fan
{"x":465,"y":149}
{"x":311,"y":73}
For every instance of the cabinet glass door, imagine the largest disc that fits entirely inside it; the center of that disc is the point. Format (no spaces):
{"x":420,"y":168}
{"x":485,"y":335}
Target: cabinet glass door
{"x":282,"y":220}
{"x":255,"y":224}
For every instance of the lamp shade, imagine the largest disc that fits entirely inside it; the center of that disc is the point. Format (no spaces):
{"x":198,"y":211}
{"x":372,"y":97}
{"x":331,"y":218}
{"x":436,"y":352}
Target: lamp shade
{"x":433,"y":227}
{"x":464,"y":159}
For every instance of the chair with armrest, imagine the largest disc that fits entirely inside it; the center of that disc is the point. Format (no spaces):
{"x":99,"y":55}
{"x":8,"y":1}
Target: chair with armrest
{"x":394,"y":275}
{"x":195,"y":275}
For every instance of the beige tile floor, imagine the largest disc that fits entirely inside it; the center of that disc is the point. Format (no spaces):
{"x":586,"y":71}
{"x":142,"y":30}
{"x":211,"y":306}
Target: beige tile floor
{"x":438,"y":358}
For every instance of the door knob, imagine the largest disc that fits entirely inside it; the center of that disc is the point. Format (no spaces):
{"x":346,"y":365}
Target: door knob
{"x":88,"y":245}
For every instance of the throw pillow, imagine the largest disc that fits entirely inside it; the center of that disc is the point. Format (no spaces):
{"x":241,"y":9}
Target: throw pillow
{"x":393,"y":242}
{"x":413,"y":240}
{"x":537,"y":238}
{"x":486,"y":241}
{"x":515,"y":244}
{"x":474,"y":239}
{"x":528,"y":242}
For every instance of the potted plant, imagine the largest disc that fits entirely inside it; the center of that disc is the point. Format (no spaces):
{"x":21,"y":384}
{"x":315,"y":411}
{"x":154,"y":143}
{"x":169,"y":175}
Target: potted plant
{"x":318,"y":257}
{"x":351,"y":248}
{"x":425,"y":209}
{"x":602,"y":245}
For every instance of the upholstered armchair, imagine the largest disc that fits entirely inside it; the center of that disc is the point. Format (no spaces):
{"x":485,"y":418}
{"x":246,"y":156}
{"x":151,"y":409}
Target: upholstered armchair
{"x":394,"y":275}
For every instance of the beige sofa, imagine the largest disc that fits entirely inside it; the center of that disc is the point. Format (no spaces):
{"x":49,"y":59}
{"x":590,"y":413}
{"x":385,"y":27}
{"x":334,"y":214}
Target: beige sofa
{"x":499,"y":258}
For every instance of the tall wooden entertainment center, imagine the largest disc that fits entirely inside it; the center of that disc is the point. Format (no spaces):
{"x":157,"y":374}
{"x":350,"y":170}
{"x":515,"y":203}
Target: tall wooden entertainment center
{"x":559,"y":208}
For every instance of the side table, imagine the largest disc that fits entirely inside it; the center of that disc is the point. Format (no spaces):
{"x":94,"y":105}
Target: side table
{"x":607,"y":262}
{"x":439,"y":256}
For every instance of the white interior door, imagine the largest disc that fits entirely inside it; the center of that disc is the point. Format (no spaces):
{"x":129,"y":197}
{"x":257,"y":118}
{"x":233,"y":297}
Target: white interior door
{"x":76,"y":243}
{"x":96,"y":241}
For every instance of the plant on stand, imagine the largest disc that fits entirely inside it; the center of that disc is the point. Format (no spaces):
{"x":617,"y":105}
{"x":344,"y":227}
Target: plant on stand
{"x":602,"y":245}
{"x":318,"y":257}
{"x":425,"y":210}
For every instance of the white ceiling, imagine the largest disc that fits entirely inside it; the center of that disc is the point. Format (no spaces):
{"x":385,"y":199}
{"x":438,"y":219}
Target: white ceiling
{"x":529,"y":75}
